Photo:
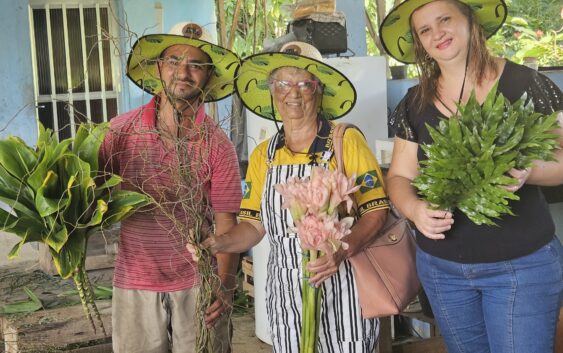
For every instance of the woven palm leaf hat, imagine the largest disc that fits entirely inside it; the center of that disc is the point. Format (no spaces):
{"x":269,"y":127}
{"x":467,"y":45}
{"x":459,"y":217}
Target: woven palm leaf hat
{"x":142,"y":63}
{"x":252,"y":80}
{"x":397,"y":38}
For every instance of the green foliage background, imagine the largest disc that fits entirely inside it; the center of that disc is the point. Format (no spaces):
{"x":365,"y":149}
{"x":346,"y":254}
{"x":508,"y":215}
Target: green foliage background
{"x":252,"y":30}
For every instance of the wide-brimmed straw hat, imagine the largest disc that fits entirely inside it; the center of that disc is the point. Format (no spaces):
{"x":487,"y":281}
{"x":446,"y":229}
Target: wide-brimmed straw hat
{"x":339,"y":95}
{"x":397,"y":38}
{"x":142,"y":63}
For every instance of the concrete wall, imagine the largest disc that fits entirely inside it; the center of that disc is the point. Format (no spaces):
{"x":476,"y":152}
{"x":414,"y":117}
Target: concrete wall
{"x":17,"y":106}
{"x":17,"y":102}
{"x":355,"y":25}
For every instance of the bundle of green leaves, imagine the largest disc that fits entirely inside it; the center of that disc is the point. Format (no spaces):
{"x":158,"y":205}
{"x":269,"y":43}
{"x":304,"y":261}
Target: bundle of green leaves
{"x":55,"y":195}
{"x":473,"y":151}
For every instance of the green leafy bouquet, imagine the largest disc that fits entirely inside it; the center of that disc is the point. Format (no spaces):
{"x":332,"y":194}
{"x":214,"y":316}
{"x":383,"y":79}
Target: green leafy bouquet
{"x":55,"y":195}
{"x":472,"y":152}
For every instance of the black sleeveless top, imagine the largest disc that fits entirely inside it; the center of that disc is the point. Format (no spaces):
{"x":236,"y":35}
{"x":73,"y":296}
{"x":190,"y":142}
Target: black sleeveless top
{"x":531,"y":227}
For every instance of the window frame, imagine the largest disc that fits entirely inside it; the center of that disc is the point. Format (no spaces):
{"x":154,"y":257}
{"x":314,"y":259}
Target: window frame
{"x":87,"y":96}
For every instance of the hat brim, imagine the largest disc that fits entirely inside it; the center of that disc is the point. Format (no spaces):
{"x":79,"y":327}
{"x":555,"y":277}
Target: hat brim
{"x":395,"y":32}
{"x":339,"y":94}
{"x":142,"y":64}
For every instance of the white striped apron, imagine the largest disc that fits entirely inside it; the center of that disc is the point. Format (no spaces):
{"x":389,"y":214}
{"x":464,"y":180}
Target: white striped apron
{"x":341,"y":328}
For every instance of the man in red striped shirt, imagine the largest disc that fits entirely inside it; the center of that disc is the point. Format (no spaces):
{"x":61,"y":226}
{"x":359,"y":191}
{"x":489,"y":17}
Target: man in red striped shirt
{"x":173,"y":151}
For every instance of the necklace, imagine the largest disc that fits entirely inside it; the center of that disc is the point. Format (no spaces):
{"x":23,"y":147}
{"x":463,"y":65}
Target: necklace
{"x":462,"y":84}
{"x":445,"y":106}
{"x":311,"y":153}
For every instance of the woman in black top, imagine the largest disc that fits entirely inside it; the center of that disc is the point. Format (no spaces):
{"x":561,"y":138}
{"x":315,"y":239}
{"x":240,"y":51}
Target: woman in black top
{"x":492,"y":289}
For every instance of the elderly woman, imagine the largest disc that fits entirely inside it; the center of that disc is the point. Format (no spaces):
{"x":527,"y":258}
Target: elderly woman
{"x":296,"y":87}
{"x":492,"y":289}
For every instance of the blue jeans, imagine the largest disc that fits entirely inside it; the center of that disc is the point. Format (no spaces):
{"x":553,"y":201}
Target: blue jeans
{"x":501,"y":307}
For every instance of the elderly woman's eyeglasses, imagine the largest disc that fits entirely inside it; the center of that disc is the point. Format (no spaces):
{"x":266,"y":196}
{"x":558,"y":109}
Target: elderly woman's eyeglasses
{"x":306,"y":87}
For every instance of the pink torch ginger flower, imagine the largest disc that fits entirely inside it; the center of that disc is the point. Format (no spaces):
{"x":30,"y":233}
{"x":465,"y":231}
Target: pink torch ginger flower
{"x":317,"y":195}
{"x":310,"y":230}
{"x":341,"y":188}
{"x":324,"y":233}
{"x":292,"y":192}
{"x":313,"y":202}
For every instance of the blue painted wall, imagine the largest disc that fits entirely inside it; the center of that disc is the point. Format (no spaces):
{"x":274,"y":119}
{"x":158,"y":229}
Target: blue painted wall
{"x":17,"y":105}
{"x":355,"y":25}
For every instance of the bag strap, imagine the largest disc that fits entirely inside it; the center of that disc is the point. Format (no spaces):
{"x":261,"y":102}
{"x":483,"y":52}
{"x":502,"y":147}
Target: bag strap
{"x":337,"y":143}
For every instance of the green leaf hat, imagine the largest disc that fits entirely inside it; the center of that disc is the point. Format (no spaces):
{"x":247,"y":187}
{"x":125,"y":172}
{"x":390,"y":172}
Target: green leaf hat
{"x":396,"y":35}
{"x":339,"y":95}
{"x":142,"y":63}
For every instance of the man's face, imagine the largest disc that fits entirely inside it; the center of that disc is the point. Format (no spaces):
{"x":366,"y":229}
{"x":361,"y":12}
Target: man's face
{"x":184,"y":71}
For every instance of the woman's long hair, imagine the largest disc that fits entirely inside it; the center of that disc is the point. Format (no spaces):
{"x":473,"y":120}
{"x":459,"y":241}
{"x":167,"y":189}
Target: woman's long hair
{"x":480,"y":61}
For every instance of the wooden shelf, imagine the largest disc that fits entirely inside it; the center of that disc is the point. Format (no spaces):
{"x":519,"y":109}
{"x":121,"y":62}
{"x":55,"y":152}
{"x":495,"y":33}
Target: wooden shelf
{"x":248,"y":276}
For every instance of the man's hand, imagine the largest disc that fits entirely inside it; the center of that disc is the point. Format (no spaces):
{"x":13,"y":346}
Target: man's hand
{"x":220,"y":307}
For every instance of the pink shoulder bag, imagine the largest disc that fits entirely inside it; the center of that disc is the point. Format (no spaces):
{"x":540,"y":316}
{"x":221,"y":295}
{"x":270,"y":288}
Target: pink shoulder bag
{"x":385,"y":271}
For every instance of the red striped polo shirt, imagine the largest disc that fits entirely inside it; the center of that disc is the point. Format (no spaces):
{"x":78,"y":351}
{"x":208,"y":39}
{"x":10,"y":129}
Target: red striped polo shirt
{"x":199,"y":173}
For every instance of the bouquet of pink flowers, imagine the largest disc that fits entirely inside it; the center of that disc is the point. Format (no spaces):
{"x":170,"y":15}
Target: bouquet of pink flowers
{"x":314,"y":204}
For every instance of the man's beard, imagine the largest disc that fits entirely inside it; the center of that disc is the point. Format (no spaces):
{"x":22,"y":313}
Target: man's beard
{"x":190,"y":95}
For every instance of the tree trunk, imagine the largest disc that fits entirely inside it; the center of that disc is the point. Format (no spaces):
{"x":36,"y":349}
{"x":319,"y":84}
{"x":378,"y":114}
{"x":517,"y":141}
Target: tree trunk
{"x":221,"y":21}
{"x":234,"y":26}
{"x":373,"y":33}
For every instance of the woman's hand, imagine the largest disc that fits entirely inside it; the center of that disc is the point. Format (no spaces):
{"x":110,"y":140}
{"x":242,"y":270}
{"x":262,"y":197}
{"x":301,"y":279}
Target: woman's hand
{"x":521,"y":175}
{"x":325,"y":266}
{"x":431,"y":223}
{"x":213,"y":243}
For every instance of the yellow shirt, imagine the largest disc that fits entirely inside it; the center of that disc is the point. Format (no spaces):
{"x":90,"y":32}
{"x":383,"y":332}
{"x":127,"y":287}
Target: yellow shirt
{"x":358,"y":160}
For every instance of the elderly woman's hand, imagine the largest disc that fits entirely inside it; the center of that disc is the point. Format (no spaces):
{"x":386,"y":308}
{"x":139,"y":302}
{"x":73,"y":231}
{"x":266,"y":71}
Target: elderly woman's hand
{"x":325,"y":266}
{"x":212,"y":243}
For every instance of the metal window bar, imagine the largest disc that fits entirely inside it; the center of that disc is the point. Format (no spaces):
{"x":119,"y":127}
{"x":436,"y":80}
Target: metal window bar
{"x":84,"y":66}
{"x":52,"y":68}
{"x":68,"y":73}
{"x":101,"y":58}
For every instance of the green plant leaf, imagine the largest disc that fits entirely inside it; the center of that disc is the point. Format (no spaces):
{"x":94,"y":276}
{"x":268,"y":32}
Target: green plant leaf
{"x":46,"y":205}
{"x":87,"y":144}
{"x":56,"y":240}
{"x":16,"y":249}
{"x":472,"y":152}
{"x":15,"y":158}
{"x":121,"y":204}
{"x":71,"y":255}
{"x":28,"y":306}
{"x":33,"y":297}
